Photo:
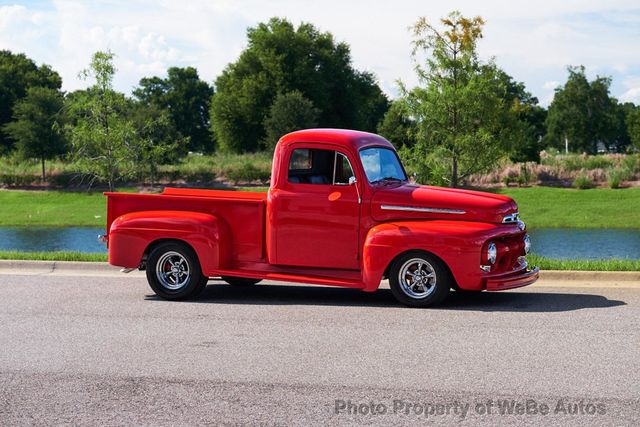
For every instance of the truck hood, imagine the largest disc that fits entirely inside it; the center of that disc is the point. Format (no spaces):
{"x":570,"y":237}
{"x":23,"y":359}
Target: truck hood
{"x":411,"y":201}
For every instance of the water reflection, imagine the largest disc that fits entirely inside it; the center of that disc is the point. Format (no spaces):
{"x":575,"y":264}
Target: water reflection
{"x":83,"y":239}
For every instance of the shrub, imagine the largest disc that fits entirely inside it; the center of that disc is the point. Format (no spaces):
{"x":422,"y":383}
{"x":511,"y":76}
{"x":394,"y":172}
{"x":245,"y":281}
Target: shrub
{"x":614,"y":178}
{"x":582,"y":182}
{"x":247,"y":172}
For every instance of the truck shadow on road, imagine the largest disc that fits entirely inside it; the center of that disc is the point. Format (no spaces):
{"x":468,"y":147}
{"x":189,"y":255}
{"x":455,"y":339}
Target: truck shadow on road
{"x":535,"y":302}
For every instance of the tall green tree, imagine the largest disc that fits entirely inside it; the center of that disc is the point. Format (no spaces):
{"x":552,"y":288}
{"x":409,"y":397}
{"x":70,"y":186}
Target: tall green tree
{"x":187,"y":99}
{"x":583,"y":113}
{"x":104,"y":141}
{"x":397,"y":125}
{"x":526,"y":145}
{"x":289,"y":112}
{"x":160,"y":141}
{"x":281,"y":58}
{"x":464,"y":124}
{"x":632,"y":121}
{"x":37,"y":125}
{"x":17,"y":74}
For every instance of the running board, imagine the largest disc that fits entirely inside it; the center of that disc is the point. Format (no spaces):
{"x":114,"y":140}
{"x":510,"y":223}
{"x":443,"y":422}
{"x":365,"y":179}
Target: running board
{"x":285,"y":277}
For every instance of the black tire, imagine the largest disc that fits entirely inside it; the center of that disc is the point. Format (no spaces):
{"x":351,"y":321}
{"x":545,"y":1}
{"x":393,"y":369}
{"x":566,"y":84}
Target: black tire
{"x":188,"y":280}
{"x":432,"y":284}
{"x":240,"y":281}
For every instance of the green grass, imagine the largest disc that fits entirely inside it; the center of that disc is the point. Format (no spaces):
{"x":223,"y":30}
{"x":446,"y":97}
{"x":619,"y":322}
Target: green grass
{"x":584,"y":264}
{"x":53,"y":256}
{"x":543,"y":263}
{"x":567,"y":207}
{"x":539,"y":207}
{"x":60,"y":208}
{"x":52,"y":208}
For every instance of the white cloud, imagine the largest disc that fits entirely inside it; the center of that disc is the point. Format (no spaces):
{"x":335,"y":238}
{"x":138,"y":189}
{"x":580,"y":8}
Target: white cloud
{"x":551,"y":85}
{"x":631,"y":95}
{"x":532,"y":43}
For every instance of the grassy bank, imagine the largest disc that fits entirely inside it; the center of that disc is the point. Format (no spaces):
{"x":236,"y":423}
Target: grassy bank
{"x":565,"y":207}
{"x":584,"y":264}
{"x":52,"y":208}
{"x":58,"y":208}
{"x":53,"y":256}
{"x":543,"y":263}
{"x":539,"y":206}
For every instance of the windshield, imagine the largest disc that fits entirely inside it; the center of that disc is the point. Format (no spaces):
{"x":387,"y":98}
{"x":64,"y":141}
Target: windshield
{"x":381,"y":164}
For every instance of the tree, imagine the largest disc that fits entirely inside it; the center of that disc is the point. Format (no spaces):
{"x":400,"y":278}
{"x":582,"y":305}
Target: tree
{"x":187,"y":99}
{"x":463,"y":122}
{"x":104,"y":142}
{"x":397,"y":126}
{"x":289,"y":112}
{"x":279,"y":59}
{"x":36,"y":127}
{"x":17,"y":74}
{"x":633,"y":126}
{"x":584,"y":114}
{"x":160,"y":141}
{"x":526,"y":145}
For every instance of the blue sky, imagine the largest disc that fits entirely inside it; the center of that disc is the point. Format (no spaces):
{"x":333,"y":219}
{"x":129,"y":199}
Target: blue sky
{"x":532,"y":41}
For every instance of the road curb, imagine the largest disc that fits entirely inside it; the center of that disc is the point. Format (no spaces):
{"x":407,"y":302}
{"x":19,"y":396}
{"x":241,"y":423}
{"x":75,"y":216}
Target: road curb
{"x":9,"y":264}
{"x":545,"y":275}
{"x":595,"y":276}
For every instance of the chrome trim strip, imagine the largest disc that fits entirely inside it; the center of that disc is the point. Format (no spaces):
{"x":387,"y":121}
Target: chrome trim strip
{"x":419,"y":209}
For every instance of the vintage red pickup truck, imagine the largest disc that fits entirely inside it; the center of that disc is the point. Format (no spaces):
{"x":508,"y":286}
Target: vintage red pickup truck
{"x":340,"y":211}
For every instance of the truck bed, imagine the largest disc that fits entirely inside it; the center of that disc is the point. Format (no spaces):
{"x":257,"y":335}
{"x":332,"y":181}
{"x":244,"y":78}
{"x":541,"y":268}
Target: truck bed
{"x":242,"y":212}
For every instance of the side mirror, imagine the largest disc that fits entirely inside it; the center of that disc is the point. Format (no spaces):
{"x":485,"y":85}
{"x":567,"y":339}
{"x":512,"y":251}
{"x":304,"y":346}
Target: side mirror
{"x":352,"y":180}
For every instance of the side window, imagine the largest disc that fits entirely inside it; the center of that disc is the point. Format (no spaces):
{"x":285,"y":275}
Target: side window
{"x":318,"y":166}
{"x":342,"y":171}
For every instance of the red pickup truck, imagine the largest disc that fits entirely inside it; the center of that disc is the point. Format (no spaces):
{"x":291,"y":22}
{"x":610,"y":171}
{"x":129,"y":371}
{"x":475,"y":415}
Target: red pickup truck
{"x":340,"y":211}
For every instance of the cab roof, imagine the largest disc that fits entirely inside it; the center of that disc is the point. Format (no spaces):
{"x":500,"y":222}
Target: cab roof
{"x":353,"y":139}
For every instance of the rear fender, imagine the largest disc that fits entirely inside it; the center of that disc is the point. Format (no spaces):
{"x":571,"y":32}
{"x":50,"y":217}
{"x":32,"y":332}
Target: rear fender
{"x":131,"y":234}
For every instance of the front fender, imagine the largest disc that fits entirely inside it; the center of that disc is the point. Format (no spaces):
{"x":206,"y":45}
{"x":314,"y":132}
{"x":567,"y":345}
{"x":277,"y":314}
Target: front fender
{"x":456,"y":243}
{"x":131,"y":234}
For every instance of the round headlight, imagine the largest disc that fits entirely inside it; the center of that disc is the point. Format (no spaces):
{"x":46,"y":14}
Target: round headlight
{"x":527,"y":244}
{"x":492,"y":253}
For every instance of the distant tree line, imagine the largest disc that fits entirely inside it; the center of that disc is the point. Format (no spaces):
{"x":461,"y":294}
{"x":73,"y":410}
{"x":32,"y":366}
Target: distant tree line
{"x":462,"y":118}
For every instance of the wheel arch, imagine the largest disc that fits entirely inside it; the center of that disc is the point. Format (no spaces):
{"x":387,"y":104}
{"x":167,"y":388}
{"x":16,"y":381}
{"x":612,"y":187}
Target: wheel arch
{"x":154,"y":244}
{"x":133,"y":235}
{"x":386,"y":242}
{"x":423,"y":251}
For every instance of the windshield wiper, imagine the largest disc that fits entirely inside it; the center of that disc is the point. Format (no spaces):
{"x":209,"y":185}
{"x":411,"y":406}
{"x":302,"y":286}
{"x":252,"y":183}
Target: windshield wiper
{"x":387,"y":179}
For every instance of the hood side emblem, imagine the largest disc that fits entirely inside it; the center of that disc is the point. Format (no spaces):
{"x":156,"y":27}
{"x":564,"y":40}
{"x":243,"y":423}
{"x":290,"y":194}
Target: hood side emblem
{"x":419,"y":209}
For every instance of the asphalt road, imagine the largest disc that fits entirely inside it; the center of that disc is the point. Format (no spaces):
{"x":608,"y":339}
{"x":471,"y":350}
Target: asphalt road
{"x":86,"y":350}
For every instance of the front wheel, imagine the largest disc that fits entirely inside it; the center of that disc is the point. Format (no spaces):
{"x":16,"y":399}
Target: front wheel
{"x":173,"y":271}
{"x":419,"y":279}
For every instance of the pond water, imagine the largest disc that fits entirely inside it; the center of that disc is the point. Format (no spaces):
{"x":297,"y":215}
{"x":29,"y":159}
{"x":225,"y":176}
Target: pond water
{"x":548,"y":242}
{"x":29,"y":239}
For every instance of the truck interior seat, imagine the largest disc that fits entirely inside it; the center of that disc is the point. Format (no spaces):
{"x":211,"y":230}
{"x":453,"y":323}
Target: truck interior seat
{"x":318,"y":179}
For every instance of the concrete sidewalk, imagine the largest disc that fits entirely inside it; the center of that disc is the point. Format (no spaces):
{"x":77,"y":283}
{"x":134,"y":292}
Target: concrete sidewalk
{"x":554,"y":278}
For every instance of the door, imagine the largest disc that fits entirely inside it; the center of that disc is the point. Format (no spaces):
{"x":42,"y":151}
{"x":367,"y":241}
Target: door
{"x":318,"y":211}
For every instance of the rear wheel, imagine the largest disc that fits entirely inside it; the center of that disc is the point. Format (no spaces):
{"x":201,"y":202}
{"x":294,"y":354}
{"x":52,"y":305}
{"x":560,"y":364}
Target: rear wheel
{"x":419,"y":279}
{"x":240,"y":281}
{"x":173,"y":271}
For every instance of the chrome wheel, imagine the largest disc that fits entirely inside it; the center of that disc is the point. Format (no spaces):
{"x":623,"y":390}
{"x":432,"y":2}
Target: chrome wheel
{"x":417,"y":278}
{"x":172,"y":270}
